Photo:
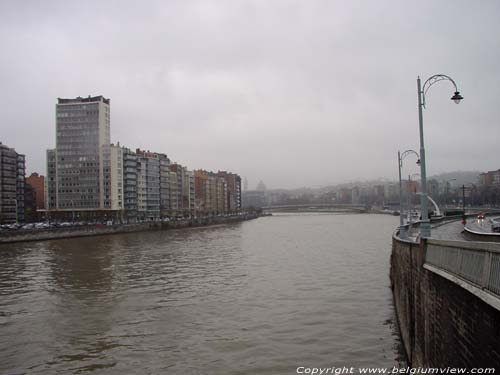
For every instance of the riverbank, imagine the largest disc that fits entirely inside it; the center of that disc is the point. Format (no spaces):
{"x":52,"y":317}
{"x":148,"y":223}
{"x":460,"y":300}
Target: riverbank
{"x":97,"y":230}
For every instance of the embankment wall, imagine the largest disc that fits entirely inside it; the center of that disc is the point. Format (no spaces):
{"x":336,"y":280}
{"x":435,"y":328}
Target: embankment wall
{"x":94,"y":230}
{"x":441,"y":323}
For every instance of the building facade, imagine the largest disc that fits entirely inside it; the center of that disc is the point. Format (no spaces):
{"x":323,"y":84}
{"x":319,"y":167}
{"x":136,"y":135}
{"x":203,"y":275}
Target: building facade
{"x":148,"y":186}
{"x":81,"y":177}
{"x":490,"y":178}
{"x":12,"y":181}
{"x":87,"y":177}
{"x":233,"y":182}
{"x":37,"y":182}
{"x":130,"y":199}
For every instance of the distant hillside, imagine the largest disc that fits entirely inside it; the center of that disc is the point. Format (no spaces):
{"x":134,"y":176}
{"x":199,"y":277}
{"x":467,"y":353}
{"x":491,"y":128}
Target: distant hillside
{"x":462,"y":177}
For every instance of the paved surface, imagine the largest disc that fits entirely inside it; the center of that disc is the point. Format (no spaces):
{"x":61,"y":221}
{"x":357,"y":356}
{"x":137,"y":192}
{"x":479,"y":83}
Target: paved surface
{"x":449,"y":231}
{"x":483,"y":226}
{"x":453,"y":230}
{"x":443,"y":231}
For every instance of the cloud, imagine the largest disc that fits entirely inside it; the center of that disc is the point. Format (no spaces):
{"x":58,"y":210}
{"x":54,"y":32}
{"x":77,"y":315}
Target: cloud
{"x":294,"y":93}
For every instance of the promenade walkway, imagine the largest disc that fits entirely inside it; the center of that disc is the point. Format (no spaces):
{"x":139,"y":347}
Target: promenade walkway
{"x":448,"y":231}
{"x":454,"y":230}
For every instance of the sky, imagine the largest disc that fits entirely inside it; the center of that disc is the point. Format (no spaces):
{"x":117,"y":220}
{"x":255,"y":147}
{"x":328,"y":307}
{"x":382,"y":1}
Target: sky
{"x":293,"y":93}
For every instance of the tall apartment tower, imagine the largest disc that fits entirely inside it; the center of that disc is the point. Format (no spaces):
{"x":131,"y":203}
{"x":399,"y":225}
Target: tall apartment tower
{"x":79,"y":169}
{"x":12,"y":174}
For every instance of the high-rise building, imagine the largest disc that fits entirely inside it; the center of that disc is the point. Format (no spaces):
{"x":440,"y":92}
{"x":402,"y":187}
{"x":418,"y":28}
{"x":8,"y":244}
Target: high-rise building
{"x":82,"y":174}
{"x":12,"y":174}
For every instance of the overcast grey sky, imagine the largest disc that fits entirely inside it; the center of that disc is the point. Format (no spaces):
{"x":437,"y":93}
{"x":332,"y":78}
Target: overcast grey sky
{"x":296,"y":93}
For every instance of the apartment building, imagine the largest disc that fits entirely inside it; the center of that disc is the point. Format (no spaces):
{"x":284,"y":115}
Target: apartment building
{"x":148,"y":186}
{"x":233,"y":182}
{"x":130,"y":199}
{"x":164,"y":185}
{"x":12,"y":175}
{"x":37,"y":182}
{"x":82,"y":173}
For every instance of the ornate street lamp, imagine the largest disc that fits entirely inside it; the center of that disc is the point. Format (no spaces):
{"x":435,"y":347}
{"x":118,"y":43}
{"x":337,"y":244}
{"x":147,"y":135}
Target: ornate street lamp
{"x":425,"y":225}
{"x":401,"y":156}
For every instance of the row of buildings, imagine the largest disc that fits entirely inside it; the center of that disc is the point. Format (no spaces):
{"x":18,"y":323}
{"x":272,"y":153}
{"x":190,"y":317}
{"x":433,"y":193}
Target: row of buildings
{"x":383,"y":194}
{"x":89,"y":178}
{"x":490,"y":178}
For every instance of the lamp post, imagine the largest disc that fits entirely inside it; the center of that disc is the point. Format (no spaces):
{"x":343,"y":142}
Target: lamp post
{"x":401,"y":156}
{"x":425,"y":226}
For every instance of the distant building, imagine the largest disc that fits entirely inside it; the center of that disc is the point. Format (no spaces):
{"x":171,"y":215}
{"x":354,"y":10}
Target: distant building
{"x":37,"y":182}
{"x":411,"y":186}
{"x":115,"y":182}
{"x":233,"y":182}
{"x":391,"y":193}
{"x":254,"y":199}
{"x":176,"y":190}
{"x":490,"y":178}
{"x":344,"y":196}
{"x":30,"y":197}
{"x":130,"y":198}
{"x":164,"y":185}
{"x":355,"y":195}
{"x":12,"y":176}
{"x":433,"y":188}
{"x":51,"y":185}
{"x":261,"y":186}
{"x":378,"y":194}
{"x":200,"y":189}
{"x":148,"y":185}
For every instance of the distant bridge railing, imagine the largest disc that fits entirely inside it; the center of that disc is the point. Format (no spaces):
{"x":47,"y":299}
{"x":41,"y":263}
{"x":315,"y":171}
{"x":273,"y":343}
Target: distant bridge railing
{"x":477,"y":263}
{"x":351,"y":207}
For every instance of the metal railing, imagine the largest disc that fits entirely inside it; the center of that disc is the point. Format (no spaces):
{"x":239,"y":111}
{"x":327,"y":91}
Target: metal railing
{"x":475,"y":262}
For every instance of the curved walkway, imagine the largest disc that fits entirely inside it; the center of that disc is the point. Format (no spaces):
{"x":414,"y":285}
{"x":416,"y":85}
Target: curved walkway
{"x":448,"y":231}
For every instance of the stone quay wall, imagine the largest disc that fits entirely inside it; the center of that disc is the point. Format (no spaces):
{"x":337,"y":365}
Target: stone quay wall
{"x":97,"y":230}
{"x":442,"y":324}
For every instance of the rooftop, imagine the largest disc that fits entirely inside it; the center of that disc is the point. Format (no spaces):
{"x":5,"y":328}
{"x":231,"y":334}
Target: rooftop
{"x":79,"y":99}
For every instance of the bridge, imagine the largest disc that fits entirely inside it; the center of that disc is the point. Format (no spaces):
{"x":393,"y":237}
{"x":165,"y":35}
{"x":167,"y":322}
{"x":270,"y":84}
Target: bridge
{"x":317,"y":207}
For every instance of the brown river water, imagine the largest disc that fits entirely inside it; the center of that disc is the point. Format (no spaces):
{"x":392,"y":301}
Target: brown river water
{"x":264,"y":296}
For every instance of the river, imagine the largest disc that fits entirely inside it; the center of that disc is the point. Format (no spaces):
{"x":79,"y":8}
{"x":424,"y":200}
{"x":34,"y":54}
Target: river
{"x":260,"y":297}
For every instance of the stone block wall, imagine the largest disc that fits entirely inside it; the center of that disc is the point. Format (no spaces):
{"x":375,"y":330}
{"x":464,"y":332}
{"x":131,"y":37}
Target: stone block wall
{"x":441,"y":323}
